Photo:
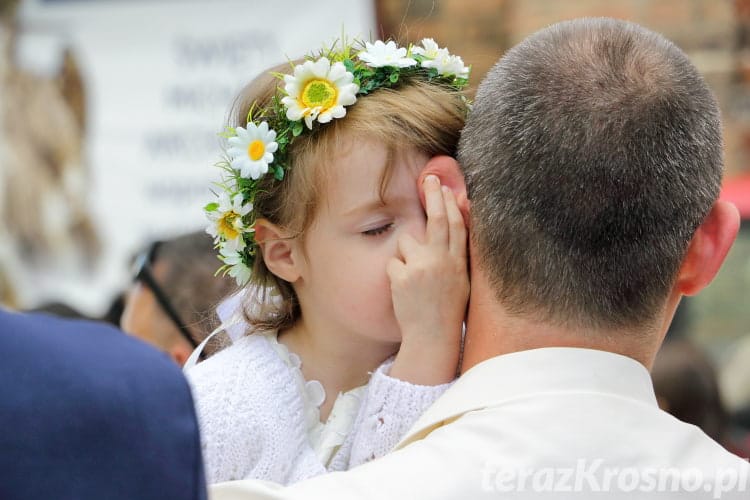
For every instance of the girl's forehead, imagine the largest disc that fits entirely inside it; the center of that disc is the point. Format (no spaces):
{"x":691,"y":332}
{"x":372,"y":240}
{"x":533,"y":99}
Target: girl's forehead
{"x":357,"y":175}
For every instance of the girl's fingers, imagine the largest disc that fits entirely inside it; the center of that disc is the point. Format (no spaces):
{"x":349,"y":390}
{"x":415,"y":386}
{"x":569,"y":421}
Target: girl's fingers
{"x":396,"y":270}
{"x":407,"y":247}
{"x":456,"y":226}
{"x":437,"y":226}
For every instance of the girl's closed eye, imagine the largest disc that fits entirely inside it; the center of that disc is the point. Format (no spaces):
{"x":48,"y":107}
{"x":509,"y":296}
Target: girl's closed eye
{"x":378,"y":230}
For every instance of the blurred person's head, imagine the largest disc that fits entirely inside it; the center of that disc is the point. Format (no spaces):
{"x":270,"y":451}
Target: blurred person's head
{"x":60,"y":309}
{"x":114,"y":311}
{"x":8,"y":9}
{"x":686,"y":387}
{"x":173,"y":300}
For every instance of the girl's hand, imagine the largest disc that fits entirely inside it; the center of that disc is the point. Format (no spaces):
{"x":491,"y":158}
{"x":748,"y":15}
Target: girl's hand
{"x":430,"y":290}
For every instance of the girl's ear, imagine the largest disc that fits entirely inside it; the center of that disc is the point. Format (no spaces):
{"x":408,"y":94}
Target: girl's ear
{"x":449,"y":172}
{"x":278,"y":250}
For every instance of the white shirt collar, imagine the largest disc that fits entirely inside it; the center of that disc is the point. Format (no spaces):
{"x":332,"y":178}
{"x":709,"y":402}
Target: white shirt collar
{"x":550,"y":369}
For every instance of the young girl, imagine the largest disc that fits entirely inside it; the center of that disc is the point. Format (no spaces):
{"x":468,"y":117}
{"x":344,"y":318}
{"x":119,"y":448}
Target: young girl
{"x":361,"y":298}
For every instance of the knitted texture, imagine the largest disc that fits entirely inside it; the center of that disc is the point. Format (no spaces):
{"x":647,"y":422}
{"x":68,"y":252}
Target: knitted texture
{"x":252,"y":416}
{"x":390,"y":407}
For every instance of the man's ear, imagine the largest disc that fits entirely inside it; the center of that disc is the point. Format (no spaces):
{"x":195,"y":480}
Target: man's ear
{"x":708,"y":248}
{"x":449,"y":172}
{"x":278,"y":250}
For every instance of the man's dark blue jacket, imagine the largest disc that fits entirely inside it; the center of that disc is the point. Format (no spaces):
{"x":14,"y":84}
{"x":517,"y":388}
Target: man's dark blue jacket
{"x":87,"y":412}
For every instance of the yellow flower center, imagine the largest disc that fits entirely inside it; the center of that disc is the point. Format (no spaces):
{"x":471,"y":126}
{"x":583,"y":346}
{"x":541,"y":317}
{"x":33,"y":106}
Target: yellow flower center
{"x":226,"y":226}
{"x":256,"y":150}
{"x":319,"y":93}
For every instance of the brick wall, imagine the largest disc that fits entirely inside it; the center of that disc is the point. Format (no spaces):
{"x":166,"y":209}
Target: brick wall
{"x":714,"y":33}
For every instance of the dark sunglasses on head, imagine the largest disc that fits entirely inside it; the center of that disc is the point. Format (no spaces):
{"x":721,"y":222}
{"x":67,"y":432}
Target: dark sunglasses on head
{"x":142,"y":272}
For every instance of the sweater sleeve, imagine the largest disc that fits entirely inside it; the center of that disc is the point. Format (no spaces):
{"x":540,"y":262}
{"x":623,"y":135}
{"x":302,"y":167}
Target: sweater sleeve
{"x":229,"y":450}
{"x":389,"y":409}
{"x":250,"y":416}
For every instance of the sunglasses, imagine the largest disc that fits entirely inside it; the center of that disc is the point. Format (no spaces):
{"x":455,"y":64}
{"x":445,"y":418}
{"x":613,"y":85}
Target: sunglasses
{"x":142,"y":273}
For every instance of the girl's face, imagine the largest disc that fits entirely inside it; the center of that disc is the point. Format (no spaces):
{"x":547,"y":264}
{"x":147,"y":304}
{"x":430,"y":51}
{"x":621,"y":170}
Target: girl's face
{"x":343,"y":282}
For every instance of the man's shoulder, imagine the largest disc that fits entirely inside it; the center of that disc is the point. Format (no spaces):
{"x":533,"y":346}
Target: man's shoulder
{"x":693,"y":444}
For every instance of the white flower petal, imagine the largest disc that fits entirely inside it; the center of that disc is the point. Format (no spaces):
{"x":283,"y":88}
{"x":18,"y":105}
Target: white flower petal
{"x":238,"y":163}
{"x":320,"y":67}
{"x":407,"y":62}
{"x":338,"y":112}
{"x":334,"y":75}
{"x":224,"y":201}
{"x":294,"y":113}
{"x":429,"y":48}
{"x":381,"y":54}
{"x":243,"y":147}
{"x":241,"y":133}
{"x":337,"y":72}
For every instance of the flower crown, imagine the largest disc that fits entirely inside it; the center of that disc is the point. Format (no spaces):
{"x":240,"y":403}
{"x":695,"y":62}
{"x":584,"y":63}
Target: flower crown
{"x":318,"y":91}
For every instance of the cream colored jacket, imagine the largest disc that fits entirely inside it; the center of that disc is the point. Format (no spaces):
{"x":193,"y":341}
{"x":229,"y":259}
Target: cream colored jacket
{"x":545,"y":423}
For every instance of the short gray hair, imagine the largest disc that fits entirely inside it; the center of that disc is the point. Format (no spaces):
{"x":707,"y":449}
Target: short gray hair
{"x":592,"y":154}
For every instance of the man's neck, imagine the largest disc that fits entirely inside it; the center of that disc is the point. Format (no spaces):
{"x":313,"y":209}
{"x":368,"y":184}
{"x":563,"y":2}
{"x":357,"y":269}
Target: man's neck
{"x":491,"y":330}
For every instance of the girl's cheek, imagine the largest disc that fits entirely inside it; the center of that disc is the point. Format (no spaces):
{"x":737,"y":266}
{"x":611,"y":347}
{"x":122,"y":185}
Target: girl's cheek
{"x":416,"y":228}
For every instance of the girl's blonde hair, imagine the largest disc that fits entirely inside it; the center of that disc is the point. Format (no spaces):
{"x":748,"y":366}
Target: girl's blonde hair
{"x":425,"y":116}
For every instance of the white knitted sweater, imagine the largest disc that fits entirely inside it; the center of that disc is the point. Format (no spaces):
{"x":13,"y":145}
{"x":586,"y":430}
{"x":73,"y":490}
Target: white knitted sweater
{"x":252,"y":416}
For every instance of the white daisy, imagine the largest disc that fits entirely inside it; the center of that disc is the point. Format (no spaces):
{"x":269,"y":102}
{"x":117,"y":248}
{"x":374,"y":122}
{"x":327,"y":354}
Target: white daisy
{"x":237,"y":269}
{"x":252,"y":150}
{"x":226,"y":220}
{"x":381,"y":54}
{"x":319,"y":90}
{"x":429,"y":48}
{"x":440,"y":59}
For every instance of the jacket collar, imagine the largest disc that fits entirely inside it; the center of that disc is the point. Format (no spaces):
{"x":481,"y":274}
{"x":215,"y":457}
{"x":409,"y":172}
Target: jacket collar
{"x":550,"y":369}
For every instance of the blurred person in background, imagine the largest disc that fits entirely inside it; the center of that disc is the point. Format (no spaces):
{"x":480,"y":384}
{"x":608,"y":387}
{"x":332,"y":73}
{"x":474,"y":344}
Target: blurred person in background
{"x":91,"y":413}
{"x":686,"y":386}
{"x":116,"y":306}
{"x":173,"y":299}
{"x":59,"y":309}
{"x":45,"y":223}
{"x":734,"y":381}
{"x":7,"y":293}
{"x":734,"y":372}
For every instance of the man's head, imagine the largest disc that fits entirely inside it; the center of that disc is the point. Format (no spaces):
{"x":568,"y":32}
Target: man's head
{"x":181,"y":270}
{"x":592,"y":154}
